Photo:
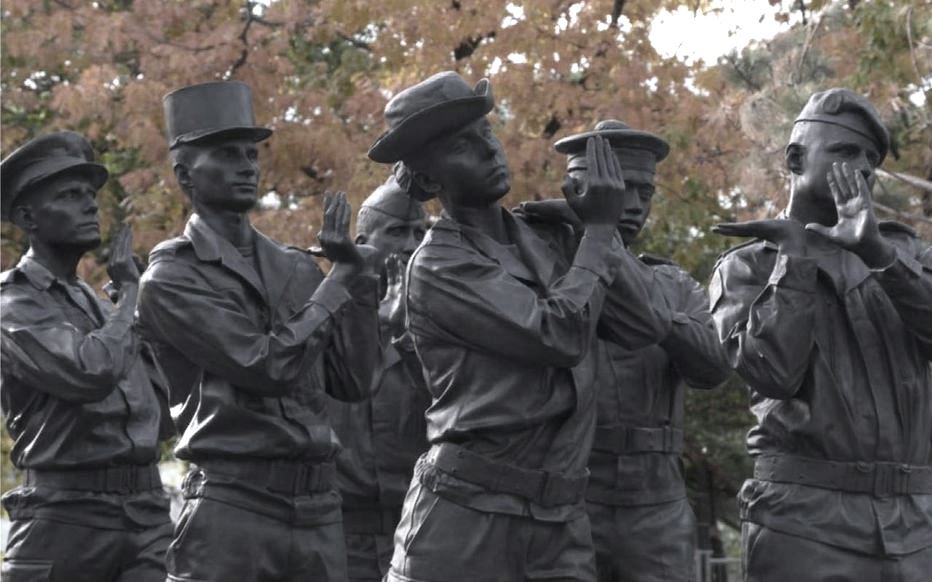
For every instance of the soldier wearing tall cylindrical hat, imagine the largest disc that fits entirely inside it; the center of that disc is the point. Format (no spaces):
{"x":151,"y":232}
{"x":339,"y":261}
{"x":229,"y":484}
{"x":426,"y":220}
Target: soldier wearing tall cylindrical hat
{"x":252,"y":335}
{"x":84,"y":404}
{"x":827,"y":315}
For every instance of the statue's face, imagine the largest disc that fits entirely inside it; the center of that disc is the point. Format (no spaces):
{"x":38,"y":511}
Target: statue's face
{"x":224,"y":174}
{"x":470,"y":165}
{"x":62,"y":211}
{"x":812,"y":150}
{"x":638,"y":196}
{"x":392,"y":235}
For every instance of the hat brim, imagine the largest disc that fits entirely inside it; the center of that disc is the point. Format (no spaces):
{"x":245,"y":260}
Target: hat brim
{"x":628,"y":138}
{"x":50,"y":168}
{"x":418,"y":129}
{"x":255,"y":134}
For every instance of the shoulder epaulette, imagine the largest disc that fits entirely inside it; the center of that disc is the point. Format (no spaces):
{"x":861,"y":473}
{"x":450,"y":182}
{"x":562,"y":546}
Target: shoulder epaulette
{"x":654,"y":260}
{"x":167,"y":248}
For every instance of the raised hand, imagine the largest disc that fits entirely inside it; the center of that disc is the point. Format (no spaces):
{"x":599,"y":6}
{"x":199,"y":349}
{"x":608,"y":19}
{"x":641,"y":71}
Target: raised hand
{"x":856,"y":229}
{"x":122,"y":266}
{"x":392,"y":310}
{"x":789,"y":235}
{"x":334,"y":234}
{"x":600,"y":200}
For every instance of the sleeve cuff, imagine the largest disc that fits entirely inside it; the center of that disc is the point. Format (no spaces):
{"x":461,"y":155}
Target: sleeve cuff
{"x":901,"y":262}
{"x":598,"y":256}
{"x":331,"y":295}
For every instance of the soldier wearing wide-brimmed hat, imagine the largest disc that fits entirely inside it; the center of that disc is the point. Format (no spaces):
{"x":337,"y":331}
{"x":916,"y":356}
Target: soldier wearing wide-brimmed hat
{"x":643,"y":528}
{"x":85,"y":410}
{"x":252,"y":334}
{"x":827,"y":315}
{"x":503,"y":320}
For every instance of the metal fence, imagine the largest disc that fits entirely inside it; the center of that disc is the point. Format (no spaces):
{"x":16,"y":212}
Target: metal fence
{"x":711,"y":568}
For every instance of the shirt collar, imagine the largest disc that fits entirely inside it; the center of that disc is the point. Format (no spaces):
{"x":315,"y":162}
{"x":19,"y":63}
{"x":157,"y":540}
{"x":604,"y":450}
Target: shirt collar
{"x":35,"y":272}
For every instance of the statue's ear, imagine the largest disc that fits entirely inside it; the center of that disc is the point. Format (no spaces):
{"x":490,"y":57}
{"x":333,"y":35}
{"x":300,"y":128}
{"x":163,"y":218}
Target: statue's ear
{"x":425,"y":183}
{"x":183,"y":176}
{"x":21,"y":216}
{"x":794,"y":154}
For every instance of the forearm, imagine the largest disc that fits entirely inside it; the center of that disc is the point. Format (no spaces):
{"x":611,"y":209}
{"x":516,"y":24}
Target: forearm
{"x":696,"y":353}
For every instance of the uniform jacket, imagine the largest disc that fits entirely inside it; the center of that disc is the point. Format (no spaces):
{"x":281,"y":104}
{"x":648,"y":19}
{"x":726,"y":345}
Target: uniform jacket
{"x":250,"y":354}
{"x":79,"y":391}
{"x":836,"y":356}
{"x":644,"y":388}
{"x":504,"y":333}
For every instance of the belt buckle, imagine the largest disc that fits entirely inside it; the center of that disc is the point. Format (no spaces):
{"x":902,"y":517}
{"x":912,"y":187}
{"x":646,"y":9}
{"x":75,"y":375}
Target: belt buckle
{"x":301,"y":479}
{"x":887,"y":481}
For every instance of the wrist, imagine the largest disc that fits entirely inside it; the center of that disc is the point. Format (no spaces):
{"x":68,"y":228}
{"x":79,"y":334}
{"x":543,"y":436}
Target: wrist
{"x":876,"y":253}
{"x":601,"y":232}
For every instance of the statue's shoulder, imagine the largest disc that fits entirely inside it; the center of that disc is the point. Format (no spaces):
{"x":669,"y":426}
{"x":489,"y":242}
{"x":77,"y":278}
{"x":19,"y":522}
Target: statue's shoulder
{"x":656,"y":261}
{"x":169,"y":249}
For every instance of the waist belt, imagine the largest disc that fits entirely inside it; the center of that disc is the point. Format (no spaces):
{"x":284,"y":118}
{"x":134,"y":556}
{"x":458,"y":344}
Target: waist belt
{"x":542,"y":487}
{"x":878,"y":479}
{"x":623,"y":440}
{"x":292,"y":478}
{"x":120,"y":479}
{"x":371,"y":520}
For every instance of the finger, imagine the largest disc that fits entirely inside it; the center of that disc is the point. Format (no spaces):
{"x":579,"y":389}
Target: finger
{"x":852,"y":183}
{"x":757,"y":228}
{"x":347,"y":211}
{"x":841,"y":181}
{"x":605,"y":163}
{"x":836,"y":191}
{"x":864,"y":189}
{"x":592,"y":163}
{"x":327,"y":225}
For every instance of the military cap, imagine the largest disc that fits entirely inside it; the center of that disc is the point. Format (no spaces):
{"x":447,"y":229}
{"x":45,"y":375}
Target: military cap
{"x":391,"y":199}
{"x":845,"y":108}
{"x":636,"y":149}
{"x":434,"y":107}
{"x":206,"y":110}
{"x":44,"y":157}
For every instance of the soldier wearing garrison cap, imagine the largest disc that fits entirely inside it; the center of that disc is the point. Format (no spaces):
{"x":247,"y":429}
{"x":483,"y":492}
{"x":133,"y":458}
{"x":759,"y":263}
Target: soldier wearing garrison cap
{"x":827,"y":316}
{"x":383,"y":436}
{"x":253,"y":335}
{"x":643,"y":528}
{"x":503,"y":320}
{"x":84,"y":402}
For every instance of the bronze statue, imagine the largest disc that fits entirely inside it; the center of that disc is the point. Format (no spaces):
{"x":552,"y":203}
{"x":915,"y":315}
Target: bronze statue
{"x":643,"y":528}
{"x":253,"y":335}
{"x":383,"y":436}
{"x":503,"y":321}
{"x":83,"y":402}
{"x":828,"y":317}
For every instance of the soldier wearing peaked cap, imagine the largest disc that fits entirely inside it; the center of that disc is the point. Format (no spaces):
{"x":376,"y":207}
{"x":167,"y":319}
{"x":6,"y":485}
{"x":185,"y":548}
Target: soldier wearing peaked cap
{"x":83,"y":400}
{"x":827,"y":316}
{"x":643,"y":528}
{"x":503,"y":320}
{"x":253,"y":336}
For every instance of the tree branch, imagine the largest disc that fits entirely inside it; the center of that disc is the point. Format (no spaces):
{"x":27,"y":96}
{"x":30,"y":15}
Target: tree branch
{"x":797,"y":76}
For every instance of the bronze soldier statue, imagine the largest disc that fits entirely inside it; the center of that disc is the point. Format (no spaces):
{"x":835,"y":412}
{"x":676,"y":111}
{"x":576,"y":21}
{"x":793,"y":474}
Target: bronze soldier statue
{"x":85,"y":407}
{"x":828,"y":317}
{"x":258,"y":335}
{"x":643,"y":528}
{"x":383,"y":436}
{"x":503,"y":321}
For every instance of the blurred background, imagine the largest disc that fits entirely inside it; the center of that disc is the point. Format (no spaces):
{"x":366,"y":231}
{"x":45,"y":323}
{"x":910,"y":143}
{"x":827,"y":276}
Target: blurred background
{"x":720,"y":80}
